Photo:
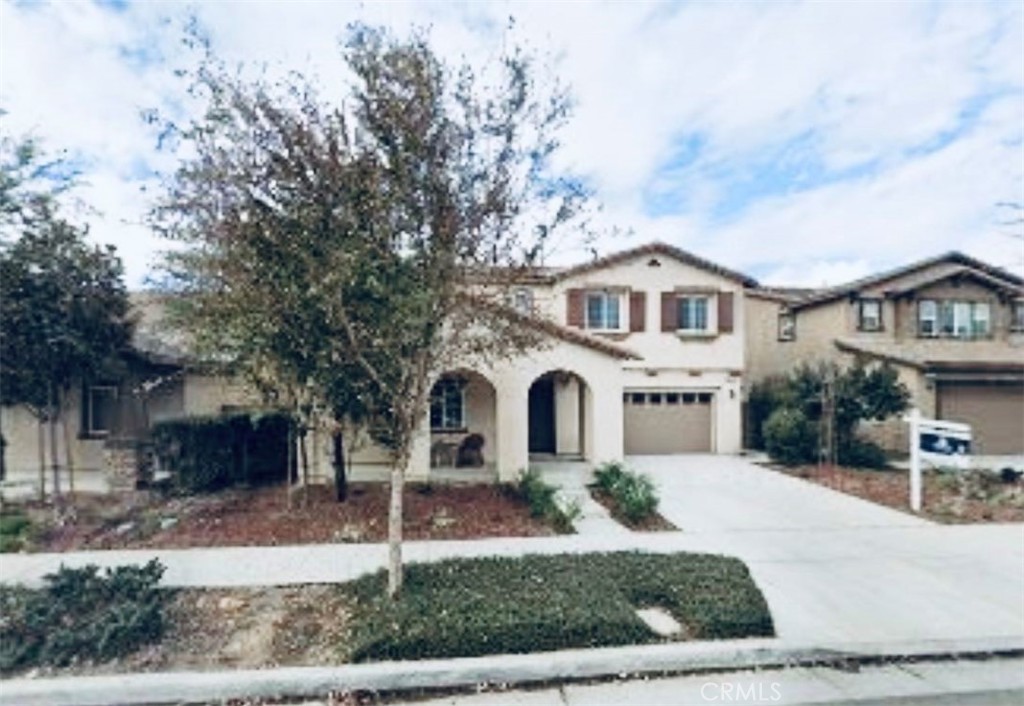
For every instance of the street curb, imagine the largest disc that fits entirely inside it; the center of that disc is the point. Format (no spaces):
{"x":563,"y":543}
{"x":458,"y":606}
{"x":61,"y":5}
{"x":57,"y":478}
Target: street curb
{"x":676,"y":658}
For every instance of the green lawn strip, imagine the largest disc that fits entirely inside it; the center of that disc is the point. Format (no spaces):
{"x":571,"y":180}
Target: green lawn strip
{"x":473,"y":607}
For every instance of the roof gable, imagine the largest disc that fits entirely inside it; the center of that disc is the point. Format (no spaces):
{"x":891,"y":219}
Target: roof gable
{"x":654,"y":249}
{"x":920,"y":274}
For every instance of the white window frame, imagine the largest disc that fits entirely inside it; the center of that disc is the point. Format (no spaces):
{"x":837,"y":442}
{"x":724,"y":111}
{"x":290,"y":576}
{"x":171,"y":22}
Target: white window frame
{"x":933,"y":319}
{"x":682,"y":302}
{"x":438,"y":396}
{"x":976,"y":308}
{"x":957,"y":318}
{"x":787,"y":326}
{"x":605,"y":296}
{"x":521,"y":299}
{"x":90,"y":412}
{"x":862,"y":319}
{"x":1017,"y":315}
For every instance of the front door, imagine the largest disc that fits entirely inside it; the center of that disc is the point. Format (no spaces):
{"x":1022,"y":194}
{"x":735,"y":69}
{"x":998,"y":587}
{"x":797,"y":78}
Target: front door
{"x":542,"y":416}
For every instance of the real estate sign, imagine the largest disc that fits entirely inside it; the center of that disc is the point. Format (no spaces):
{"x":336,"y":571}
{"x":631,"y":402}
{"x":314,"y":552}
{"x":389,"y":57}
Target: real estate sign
{"x":939,"y":443}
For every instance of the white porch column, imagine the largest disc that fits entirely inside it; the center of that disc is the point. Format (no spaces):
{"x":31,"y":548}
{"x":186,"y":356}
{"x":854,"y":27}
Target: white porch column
{"x":567,"y":415}
{"x":512,"y":425}
{"x":604,"y":442}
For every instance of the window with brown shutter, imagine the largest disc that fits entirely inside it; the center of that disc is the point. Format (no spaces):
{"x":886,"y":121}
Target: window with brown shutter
{"x":725,"y":312}
{"x":574,"y":308}
{"x":637,"y":311}
{"x":668,"y":311}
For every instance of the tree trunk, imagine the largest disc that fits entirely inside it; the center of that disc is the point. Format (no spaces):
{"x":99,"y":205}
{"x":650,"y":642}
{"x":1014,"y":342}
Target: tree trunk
{"x":54,"y":458}
{"x":288,"y":478}
{"x":42,"y":459}
{"x":340,"y":479}
{"x":305,"y":465}
{"x":395,"y":527}
{"x":68,"y":454}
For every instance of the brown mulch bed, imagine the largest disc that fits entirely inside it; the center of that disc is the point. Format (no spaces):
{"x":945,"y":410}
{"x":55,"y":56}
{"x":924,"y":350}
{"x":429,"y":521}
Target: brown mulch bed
{"x":949,"y":497}
{"x":267,"y":517}
{"x":652,"y":523}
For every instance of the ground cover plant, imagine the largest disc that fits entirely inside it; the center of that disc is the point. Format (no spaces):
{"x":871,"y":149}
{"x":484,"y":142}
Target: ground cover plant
{"x":631,"y":498}
{"x":81,"y":615}
{"x":470,"y":607}
{"x":976,"y":495}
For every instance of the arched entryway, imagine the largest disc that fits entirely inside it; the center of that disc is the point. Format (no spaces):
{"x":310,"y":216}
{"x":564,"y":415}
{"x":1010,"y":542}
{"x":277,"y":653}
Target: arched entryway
{"x":559,"y":415}
{"x":463,"y":422}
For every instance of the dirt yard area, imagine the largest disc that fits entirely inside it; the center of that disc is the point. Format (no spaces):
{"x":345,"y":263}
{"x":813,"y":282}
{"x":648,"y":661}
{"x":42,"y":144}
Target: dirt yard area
{"x":267,"y":517}
{"x":949,"y":497}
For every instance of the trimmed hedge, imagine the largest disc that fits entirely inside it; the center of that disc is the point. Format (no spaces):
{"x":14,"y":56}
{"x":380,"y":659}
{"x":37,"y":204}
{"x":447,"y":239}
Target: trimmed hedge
{"x":205,"y":454}
{"x":81,"y":615}
{"x":472,"y":607}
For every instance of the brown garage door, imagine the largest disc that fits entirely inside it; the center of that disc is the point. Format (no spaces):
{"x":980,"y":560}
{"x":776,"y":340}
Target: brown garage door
{"x":994,"y":411}
{"x":667,"y":421}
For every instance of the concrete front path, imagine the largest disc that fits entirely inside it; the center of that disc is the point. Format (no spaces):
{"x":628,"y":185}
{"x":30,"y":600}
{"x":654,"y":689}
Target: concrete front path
{"x":833,"y":568}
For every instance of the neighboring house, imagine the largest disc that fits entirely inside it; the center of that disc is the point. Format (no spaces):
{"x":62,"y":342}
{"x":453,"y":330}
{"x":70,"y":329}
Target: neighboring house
{"x":644,"y":355}
{"x":106,"y":418}
{"x":952,"y":326}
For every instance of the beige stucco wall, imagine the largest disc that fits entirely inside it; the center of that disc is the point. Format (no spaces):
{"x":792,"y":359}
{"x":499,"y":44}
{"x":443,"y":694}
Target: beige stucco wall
{"x":816,"y":330}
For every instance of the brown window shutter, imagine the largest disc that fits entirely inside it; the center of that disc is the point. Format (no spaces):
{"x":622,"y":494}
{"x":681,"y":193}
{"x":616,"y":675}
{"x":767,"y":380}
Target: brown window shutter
{"x":725,"y":312}
{"x":574,"y":308}
{"x":669,"y":314}
{"x":637,"y":311}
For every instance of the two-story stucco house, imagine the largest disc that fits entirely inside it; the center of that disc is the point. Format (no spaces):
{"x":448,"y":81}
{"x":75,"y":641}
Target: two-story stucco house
{"x":952,"y":326}
{"x":645,"y":356}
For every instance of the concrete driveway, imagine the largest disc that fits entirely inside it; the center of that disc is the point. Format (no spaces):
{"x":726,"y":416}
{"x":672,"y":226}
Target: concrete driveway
{"x":835,"y":568}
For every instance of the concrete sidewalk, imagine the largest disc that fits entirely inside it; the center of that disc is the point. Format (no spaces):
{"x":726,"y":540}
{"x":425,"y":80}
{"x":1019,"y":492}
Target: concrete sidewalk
{"x":568,"y":665}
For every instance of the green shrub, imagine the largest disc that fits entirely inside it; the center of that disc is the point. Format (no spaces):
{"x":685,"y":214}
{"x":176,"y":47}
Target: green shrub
{"x":607,"y":475}
{"x":14,"y":530}
{"x":634,"y":496}
{"x":205,"y":454}
{"x":81,"y":615}
{"x":472,"y":607}
{"x":861,"y":453}
{"x":790,"y":438}
{"x":531,"y":488}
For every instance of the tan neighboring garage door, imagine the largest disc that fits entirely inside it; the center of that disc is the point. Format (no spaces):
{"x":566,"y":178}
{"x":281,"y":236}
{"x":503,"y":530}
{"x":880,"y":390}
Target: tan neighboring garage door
{"x":994,"y":411}
{"x":667,"y":421}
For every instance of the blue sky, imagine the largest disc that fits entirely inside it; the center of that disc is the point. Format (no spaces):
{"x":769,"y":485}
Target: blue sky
{"x":804,"y":143}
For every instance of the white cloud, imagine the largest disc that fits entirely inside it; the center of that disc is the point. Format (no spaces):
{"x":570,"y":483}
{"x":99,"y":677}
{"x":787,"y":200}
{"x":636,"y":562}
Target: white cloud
{"x":869,"y":82}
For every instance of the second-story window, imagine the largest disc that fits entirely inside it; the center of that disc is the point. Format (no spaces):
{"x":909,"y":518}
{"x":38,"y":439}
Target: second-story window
{"x":787,"y":326}
{"x":693,"y":313}
{"x":1017,"y":322}
{"x":603,"y":311}
{"x":954,"y":319}
{"x":869,"y":316}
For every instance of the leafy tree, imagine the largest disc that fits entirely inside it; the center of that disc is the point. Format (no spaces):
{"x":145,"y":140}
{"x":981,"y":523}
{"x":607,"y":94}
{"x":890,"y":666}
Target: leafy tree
{"x":350,"y":254}
{"x":845,"y":395}
{"x":63,"y":305}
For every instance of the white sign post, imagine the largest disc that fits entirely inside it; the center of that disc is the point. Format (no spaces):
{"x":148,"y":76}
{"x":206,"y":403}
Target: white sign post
{"x":941,"y":443}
